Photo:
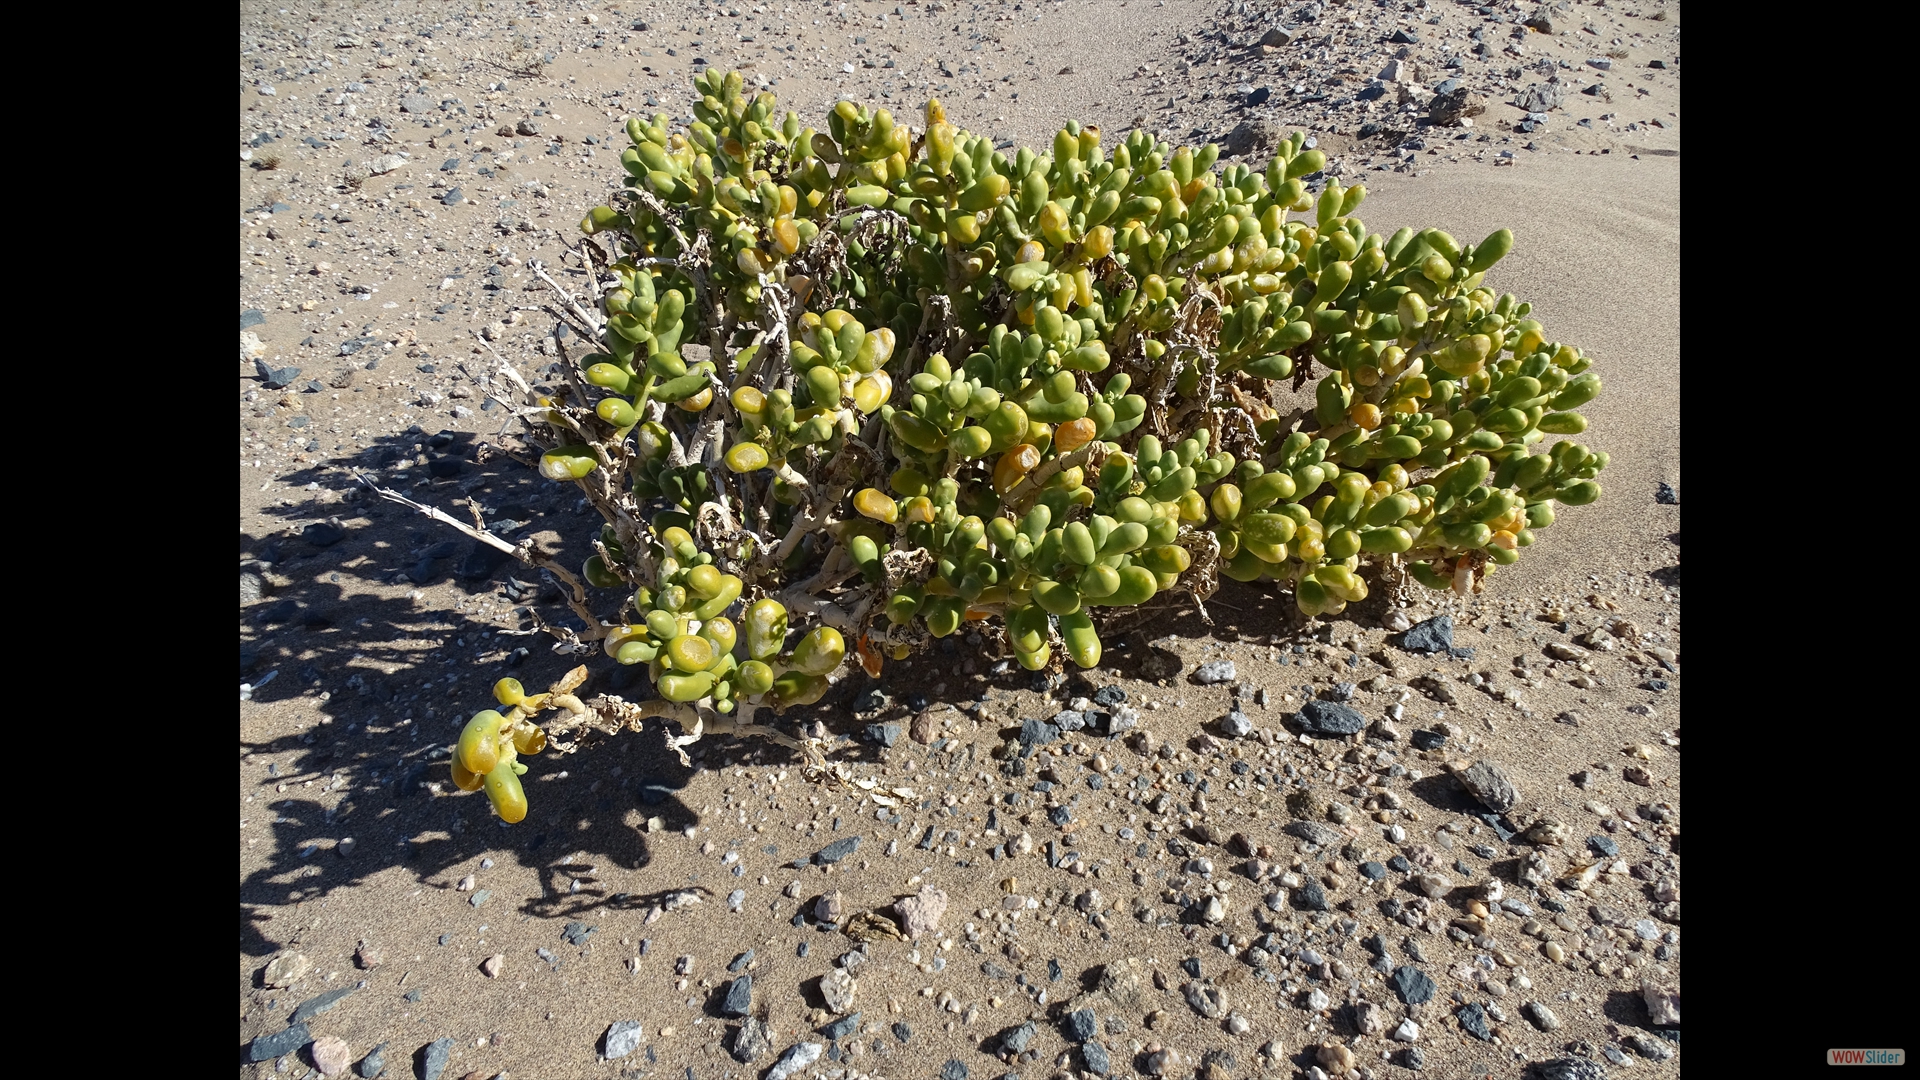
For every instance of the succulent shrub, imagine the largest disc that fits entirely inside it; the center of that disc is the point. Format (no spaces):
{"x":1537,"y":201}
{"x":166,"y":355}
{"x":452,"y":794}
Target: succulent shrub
{"x":852,"y":389}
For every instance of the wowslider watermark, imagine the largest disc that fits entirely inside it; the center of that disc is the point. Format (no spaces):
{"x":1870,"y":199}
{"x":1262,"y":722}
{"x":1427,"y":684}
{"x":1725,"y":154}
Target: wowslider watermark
{"x":1866,"y":1057}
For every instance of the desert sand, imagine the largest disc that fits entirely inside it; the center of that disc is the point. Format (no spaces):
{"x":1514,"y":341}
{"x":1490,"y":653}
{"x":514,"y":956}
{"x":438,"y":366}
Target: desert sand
{"x":376,"y":256}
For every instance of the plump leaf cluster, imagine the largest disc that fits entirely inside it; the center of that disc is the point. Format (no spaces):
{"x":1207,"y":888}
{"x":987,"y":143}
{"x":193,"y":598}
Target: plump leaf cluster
{"x":488,"y":752}
{"x":891,"y":380}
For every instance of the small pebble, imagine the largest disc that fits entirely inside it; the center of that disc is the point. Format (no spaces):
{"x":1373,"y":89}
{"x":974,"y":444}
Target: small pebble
{"x":795,"y":1059}
{"x":623,"y":1038}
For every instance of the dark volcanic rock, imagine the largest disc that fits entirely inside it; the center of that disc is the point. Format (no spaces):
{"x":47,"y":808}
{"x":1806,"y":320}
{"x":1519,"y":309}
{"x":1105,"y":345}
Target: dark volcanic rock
{"x":739,"y":999}
{"x":1432,"y":636}
{"x":1330,"y":718}
{"x":1412,"y":985}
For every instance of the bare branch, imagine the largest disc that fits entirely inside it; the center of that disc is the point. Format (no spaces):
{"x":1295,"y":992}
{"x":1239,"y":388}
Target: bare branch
{"x":1020,"y":495}
{"x":592,"y":323}
{"x":773,"y":344}
{"x":802,"y":525}
{"x":512,"y":375}
{"x":786,"y":472}
{"x":1200,"y":580}
{"x":676,"y":450}
{"x":567,"y":641}
{"x":706,"y":433}
{"x":693,"y":253}
{"x":545,"y":414}
{"x":524,"y":551}
{"x":566,"y":323}
{"x":826,"y":611}
{"x":441,"y":516}
{"x":586,"y":249}
{"x":1158,"y":390}
{"x":835,"y":570}
{"x":612,"y":715}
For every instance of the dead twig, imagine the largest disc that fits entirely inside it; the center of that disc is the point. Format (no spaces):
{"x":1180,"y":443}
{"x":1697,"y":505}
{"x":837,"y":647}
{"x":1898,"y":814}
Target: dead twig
{"x":613,"y":715}
{"x":589,"y":324}
{"x":523,"y":551}
{"x":1028,"y":489}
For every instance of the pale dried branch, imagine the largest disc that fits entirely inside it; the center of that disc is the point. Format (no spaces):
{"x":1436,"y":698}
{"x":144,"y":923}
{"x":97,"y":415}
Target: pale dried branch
{"x":693,"y":258}
{"x":590,"y":322}
{"x":833,"y":571}
{"x":825,"y":611}
{"x":512,"y":375}
{"x":787,"y":472}
{"x":773,"y":344}
{"x":612,"y":715}
{"x":709,"y":431}
{"x":567,"y":641}
{"x":676,"y":450}
{"x":587,"y":250}
{"x":814,"y":517}
{"x":544,"y":413}
{"x":441,"y":516}
{"x":562,"y":321}
{"x":523,"y":551}
{"x":1017,"y":499}
{"x":1201,"y":579}
{"x":1159,"y":388}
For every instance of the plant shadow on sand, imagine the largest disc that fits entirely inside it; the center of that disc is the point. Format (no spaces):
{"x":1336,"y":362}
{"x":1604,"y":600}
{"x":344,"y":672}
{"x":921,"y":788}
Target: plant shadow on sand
{"x":402,"y":674}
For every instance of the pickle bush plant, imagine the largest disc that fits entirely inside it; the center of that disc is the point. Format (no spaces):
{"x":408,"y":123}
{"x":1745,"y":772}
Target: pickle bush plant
{"x":873,"y":383}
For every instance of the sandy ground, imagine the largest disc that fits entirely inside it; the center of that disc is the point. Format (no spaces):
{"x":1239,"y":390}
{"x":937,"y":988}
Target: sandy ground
{"x":368,"y":633}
